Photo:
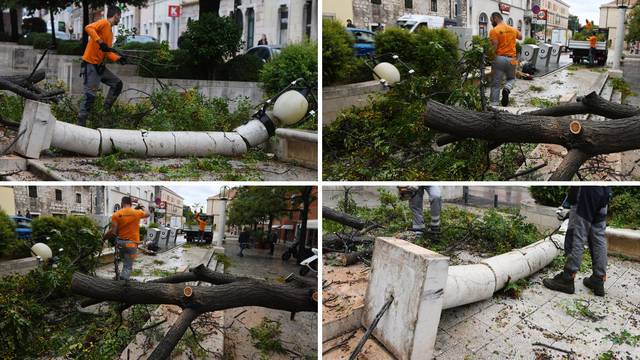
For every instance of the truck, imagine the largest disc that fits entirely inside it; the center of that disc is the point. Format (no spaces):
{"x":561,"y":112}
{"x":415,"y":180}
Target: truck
{"x":192,"y":233}
{"x":580,"y":50}
{"x":561,"y":36}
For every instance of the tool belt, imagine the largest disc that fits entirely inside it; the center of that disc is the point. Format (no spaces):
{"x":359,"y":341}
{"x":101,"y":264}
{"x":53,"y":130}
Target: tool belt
{"x":100,"y":68}
{"x":121,"y":243}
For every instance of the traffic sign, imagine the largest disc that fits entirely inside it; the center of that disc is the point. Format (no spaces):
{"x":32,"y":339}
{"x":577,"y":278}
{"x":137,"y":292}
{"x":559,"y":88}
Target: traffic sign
{"x":535,"y":9}
{"x":174,"y":11}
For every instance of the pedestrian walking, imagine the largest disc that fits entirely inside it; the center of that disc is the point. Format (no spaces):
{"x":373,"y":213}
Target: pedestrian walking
{"x":263,"y":40}
{"x":243,"y":240}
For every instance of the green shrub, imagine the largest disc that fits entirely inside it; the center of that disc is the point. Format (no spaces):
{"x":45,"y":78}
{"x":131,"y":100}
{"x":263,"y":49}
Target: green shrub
{"x":624,"y":208}
{"x":397,"y":41}
{"x":69,"y":47}
{"x":79,"y":236}
{"x":41,"y":40}
{"x":8,"y":240}
{"x":148,"y":46}
{"x":294,"y":61}
{"x":210,"y":40}
{"x":241,"y":68}
{"x":548,"y":195}
{"x":12,"y":107}
{"x":531,"y":41}
{"x":337,"y":52}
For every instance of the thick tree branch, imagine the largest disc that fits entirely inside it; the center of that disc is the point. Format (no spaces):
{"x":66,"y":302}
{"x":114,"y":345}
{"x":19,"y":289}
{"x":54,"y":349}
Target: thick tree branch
{"x":171,"y":338}
{"x":570,"y":165}
{"x":593,"y":138}
{"x":342,"y":218}
{"x":24,"y":86}
{"x":590,"y":104}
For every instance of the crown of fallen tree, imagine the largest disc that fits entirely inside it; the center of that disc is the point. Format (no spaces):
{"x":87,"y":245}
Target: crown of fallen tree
{"x":583,"y":139}
{"x":227,"y":292}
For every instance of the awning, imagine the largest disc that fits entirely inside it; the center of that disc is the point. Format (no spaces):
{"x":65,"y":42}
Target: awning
{"x":312,"y":224}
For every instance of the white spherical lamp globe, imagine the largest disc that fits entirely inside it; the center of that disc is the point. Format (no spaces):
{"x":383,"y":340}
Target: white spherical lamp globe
{"x":42,"y":250}
{"x":290,"y":107}
{"x":387,"y":72}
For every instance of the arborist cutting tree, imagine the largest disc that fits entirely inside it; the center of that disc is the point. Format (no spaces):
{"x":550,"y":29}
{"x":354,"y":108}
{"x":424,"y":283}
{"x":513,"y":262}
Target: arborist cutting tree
{"x":202,"y":224}
{"x":587,"y":225}
{"x":503,"y":38}
{"x":93,"y":68}
{"x":415,"y":195}
{"x":125,"y":228}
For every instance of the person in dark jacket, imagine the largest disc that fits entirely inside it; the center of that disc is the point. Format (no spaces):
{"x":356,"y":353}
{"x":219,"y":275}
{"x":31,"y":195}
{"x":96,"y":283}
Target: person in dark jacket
{"x":587,"y":225}
{"x":244,"y":239}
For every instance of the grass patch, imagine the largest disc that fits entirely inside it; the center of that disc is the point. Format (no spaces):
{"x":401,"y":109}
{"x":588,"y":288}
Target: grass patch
{"x":136,"y":272}
{"x":606,"y":356}
{"x":536,"y":88}
{"x":542,"y":103}
{"x":266,"y":337}
{"x":624,"y":337}
{"x":622,"y":87}
{"x":579,"y":309}
{"x":119,"y":162}
{"x":224,"y":260}
{"x":158,"y":262}
{"x":513,"y":290}
{"x":162,"y":272}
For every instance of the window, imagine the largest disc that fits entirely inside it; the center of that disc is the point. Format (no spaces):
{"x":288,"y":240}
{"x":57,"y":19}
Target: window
{"x":58,"y":195}
{"x":520,"y":25}
{"x":408,"y":4}
{"x":33,"y":192}
{"x":250,"y":27}
{"x":482,"y":25}
{"x":456,"y":9}
{"x":434,"y":5}
{"x":283,"y":24}
{"x":78,"y":198}
{"x":377,"y":2}
{"x":510,"y":21}
{"x":308,"y":15}
{"x":364,"y":37}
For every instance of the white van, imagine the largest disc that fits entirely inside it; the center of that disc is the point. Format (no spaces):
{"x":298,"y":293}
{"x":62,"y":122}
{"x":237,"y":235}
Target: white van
{"x":415,"y":22}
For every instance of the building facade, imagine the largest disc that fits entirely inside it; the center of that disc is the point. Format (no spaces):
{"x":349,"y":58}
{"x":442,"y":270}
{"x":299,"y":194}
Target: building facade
{"x":376,"y":14}
{"x":282,"y":21}
{"x":60,"y":201}
{"x":169,"y":207}
{"x":513,"y":13}
{"x":557,"y":16}
{"x":143,"y":195}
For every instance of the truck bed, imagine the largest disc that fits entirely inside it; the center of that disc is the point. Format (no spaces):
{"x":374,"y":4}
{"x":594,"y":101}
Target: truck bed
{"x":584,"y":45}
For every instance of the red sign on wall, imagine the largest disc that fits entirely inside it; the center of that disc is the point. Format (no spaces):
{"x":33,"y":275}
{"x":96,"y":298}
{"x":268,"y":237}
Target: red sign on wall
{"x":174,"y":11}
{"x":504,"y":8}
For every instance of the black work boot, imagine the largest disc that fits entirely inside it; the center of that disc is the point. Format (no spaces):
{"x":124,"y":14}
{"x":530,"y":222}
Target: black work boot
{"x":562,"y":282}
{"x":595,"y":283}
{"x":505,"y":97}
{"x":434,"y":234}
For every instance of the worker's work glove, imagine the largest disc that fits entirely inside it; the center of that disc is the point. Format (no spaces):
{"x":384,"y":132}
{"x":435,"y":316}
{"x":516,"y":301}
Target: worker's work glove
{"x":104,"y":47}
{"x":562,"y":213}
{"x":123,"y":60}
{"x":140,"y":207}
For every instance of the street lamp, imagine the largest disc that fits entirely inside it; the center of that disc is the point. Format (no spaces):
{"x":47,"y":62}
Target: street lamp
{"x":384,"y":71}
{"x":220,"y":207}
{"x":622,"y":12}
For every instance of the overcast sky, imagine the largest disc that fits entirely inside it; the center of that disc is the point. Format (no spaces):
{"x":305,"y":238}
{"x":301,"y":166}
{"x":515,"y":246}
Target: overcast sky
{"x":196,"y":193}
{"x":586,"y":9}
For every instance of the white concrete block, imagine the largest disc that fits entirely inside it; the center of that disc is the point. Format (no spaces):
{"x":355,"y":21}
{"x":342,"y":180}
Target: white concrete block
{"x":416,"y":277}
{"x":36,"y":129}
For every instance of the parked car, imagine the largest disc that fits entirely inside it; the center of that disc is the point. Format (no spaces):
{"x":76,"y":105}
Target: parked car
{"x":414,"y":22}
{"x":23,"y":227}
{"x":364,"y":41}
{"x":264,"y":52}
{"x":139,"y":39}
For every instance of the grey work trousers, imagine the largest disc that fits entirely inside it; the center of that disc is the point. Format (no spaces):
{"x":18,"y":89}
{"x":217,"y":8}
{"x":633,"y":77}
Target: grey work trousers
{"x":435,"y":204}
{"x":580,"y":233}
{"x":126,"y":256}
{"x":500,"y":68}
{"x":93,"y":76}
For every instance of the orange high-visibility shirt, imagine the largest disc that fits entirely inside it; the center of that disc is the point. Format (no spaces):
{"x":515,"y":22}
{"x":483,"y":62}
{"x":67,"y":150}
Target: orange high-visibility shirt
{"x":128,"y":220}
{"x":201,"y":223}
{"x":99,"y":30}
{"x":506,"y":37}
{"x":592,"y":41}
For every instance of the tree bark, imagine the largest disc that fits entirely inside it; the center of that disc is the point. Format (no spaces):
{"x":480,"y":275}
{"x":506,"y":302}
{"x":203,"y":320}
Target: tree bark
{"x":354,"y":257}
{"x":337,"y":242}
{"x":595,"y":137}
{"x":171,"y":338}
{"x":590,"y":104}
{"x":342,"y":218}
{"x":25,"y":87}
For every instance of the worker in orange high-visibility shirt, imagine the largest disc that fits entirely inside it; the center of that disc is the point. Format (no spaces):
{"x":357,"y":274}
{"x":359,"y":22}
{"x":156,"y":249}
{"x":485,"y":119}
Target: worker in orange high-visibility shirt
{"x":202,"y":224}
{"x":503,"y":38}
{"x":93,"y":68}
{"x":592,"y":48}
{"x":125,"y":227}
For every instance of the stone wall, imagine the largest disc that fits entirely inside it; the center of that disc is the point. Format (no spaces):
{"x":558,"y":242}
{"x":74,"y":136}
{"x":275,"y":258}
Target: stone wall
{"x":338,"y":98}
{"x":45,"y":203}
{"x":366,"y":14}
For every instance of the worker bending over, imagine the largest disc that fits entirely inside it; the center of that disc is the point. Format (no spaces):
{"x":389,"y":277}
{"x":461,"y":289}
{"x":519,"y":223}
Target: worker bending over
{"x":587,"y":225}
{"x":93,"y":68}
{"x":125,"y":227}
{"x":503,"y":38}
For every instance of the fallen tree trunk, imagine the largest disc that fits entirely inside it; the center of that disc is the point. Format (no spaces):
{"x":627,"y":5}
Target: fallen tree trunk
{"x":229,"y":292}
{"x":342,"y":218}
{"x":583,"y":139}
{"x":338,"y":241}
{"x":355,"y":257}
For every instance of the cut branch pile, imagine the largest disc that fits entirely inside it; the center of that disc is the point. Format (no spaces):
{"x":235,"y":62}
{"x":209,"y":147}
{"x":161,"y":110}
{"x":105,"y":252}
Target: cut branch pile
{"x":25,"y":86}
{"x":353,"y":246}
{"x":582,"y":138}
{"x":228,"y":292}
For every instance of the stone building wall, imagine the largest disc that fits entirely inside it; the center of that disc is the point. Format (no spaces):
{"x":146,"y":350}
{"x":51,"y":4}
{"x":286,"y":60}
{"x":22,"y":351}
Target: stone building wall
{"x":366,"y":14}
{"x":41,"y":201}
